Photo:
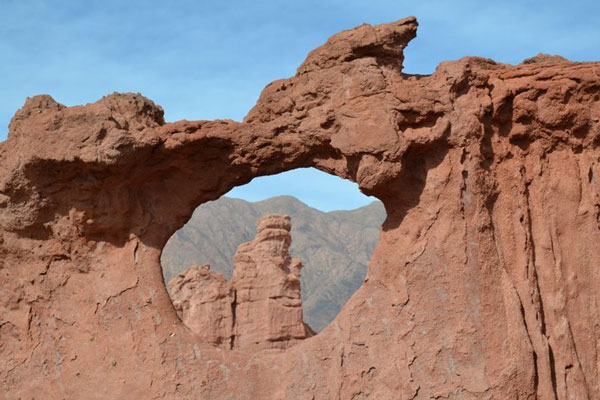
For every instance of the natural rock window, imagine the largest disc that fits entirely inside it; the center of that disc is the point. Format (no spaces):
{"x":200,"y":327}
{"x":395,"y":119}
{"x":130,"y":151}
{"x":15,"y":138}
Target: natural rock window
{"x":257,"y":275}
{"x":484,"y":284}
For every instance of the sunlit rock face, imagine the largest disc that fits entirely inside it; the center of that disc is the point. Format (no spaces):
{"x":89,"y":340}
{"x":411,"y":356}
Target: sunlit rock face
{"x":204,"y":300}
{"x":483,"y":285}
{"x":267,"y":286}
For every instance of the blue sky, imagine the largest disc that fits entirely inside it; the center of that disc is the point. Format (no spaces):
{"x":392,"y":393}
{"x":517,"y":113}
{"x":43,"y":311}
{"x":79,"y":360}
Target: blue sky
{"x":211,"y":59}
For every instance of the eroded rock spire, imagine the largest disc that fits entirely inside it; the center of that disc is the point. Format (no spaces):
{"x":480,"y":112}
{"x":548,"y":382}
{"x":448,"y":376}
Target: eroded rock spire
{"x":260,"y":308}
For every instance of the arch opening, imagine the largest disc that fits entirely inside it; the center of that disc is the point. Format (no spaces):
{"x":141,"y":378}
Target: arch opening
{"x":234,"y":283}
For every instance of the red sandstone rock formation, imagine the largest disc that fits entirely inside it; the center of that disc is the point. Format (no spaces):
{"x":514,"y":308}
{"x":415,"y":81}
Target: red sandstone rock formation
{"x":260,"y":308}
{"x":204,"y":301}
{"x":484,"y":283}
{"x":268,"y":307}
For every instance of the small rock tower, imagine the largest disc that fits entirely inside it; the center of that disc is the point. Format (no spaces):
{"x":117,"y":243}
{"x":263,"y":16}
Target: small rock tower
{"x":260,"y":308}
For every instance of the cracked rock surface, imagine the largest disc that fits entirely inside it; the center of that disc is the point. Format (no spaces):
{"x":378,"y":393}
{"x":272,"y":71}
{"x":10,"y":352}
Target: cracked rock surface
{"x":484,"y":283}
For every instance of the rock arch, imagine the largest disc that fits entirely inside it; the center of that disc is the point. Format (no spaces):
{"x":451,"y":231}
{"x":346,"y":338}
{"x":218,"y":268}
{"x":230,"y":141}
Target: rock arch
{"x":483,"y":284}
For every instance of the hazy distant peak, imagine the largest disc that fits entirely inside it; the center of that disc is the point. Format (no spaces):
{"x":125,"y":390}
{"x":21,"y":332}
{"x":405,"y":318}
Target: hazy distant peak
{"x":288,"y":201}
{"x":285,"y":199}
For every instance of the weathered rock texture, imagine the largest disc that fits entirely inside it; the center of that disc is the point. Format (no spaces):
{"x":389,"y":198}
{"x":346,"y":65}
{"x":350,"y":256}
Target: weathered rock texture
{"x":261,"y":308}
{"x":484,"y":283}
{"x":266,"y":280}
{"x":205,"y":301}
{"x":334,"y":247}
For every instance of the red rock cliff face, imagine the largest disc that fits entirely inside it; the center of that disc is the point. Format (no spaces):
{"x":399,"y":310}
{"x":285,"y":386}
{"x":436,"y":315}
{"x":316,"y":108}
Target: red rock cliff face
{"x":484,"y":283}
{"x":260,"y":308}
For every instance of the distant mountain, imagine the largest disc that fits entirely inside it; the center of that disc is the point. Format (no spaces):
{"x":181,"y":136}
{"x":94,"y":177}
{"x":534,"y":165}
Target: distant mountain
{"x":334,"y":246}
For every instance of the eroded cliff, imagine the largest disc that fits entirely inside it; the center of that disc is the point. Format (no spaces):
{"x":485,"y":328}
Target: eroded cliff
{"x":484,"y":283}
